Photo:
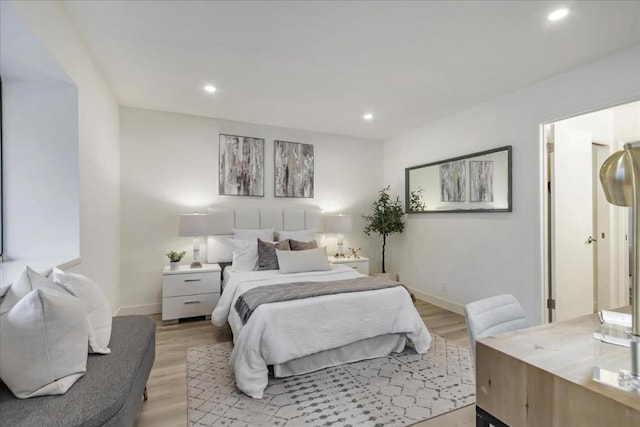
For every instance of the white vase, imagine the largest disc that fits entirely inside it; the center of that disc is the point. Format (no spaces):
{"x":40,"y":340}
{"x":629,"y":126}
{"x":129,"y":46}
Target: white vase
{"x":174,"y":265}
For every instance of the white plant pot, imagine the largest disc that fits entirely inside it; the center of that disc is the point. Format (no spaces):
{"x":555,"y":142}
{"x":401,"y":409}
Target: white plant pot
{"x":174,"y":265}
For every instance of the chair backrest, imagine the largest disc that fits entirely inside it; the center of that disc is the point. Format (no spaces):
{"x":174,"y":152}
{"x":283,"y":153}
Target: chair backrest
{"x":492,"y":316}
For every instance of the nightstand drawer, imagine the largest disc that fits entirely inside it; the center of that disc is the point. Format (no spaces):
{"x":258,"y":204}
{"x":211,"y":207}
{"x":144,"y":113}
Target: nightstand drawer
{"x":190,"y":284}
{"x":362,"y":267}
{"x":188,"y":306}
{"x":361,"y":264}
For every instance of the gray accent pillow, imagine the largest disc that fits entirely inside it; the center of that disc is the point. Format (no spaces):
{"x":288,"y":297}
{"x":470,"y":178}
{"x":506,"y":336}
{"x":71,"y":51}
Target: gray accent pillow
{"x":267,"y":259}
{"x":297,"y":245}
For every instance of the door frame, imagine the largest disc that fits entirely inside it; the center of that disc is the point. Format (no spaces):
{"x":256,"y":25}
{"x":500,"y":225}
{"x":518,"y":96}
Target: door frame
{"x":611,"y":231}
{"x":618,"y":217}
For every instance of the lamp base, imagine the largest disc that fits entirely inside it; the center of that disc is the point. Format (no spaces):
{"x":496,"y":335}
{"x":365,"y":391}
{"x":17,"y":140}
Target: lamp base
{"x":340,"y":252}
{"x":196,"y":253}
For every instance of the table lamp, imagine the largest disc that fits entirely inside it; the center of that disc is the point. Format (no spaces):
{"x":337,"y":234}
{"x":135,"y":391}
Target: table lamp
{"x":196,"y":225}
{"x":620,"y":178}
{"x":339,"y":224}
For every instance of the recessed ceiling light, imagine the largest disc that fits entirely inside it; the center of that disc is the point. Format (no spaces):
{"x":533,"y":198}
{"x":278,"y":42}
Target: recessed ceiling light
{"x":558,"y":14}
{"x":368,"y":116}
{"x":210,"y":88}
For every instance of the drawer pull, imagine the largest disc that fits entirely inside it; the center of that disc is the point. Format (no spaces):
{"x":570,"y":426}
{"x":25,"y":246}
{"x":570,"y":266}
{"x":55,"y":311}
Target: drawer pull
{"x":192,"y":302}
{"x":191,"y":280}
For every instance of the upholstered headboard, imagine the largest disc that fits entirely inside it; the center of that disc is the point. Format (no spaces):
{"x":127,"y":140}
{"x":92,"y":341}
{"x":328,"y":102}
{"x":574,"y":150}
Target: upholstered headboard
{"x":228,"y":218}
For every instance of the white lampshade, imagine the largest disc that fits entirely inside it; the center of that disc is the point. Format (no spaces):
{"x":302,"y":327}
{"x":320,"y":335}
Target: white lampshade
{"x":195,"y":225}
{"x":339,"y":224}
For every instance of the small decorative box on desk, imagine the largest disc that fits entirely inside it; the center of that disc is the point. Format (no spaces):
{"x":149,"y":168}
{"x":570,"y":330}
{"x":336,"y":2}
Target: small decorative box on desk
{"x":361,"y":264}
{"x":189,"y":292}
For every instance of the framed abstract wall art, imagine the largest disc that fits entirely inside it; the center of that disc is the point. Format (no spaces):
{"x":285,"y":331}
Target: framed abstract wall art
{"x":481,"y":180}
{"x":241,"y":166}
{"x":294,"y":169}
{"x":453,"y":184}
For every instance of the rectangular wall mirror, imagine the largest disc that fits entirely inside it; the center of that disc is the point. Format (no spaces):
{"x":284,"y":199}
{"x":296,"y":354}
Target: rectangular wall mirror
{"x":477,"y":182}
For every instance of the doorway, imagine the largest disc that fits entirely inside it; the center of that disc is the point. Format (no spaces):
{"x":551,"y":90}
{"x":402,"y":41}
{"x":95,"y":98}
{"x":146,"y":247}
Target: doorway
{"x":586,"y":250}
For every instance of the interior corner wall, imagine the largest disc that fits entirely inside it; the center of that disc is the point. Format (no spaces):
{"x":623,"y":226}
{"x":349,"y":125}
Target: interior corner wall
{"x":456,"y":258}
{"x":98,"y":140}
{"x":169,"y":166}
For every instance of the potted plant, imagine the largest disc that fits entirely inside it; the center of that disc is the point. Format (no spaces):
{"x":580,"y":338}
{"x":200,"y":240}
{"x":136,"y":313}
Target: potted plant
{"x":386,"y":218}
{"x":174,"y":259}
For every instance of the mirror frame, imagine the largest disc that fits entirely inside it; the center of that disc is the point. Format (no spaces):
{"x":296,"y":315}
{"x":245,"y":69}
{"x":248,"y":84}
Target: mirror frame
{"x":509,"y":208}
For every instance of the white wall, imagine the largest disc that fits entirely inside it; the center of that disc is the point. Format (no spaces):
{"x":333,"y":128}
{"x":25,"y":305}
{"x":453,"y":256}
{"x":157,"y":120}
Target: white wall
{"x":599,"y":124}
{"x":169,"y":166}
{"x":626,"y":122}
{"x":98,"y":139}
{"x":455,"y":258}
{"x":40,"y":156}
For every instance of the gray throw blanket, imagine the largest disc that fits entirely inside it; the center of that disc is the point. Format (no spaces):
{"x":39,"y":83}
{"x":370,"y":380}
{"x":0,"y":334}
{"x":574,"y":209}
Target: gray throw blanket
{"x":248,"y":302}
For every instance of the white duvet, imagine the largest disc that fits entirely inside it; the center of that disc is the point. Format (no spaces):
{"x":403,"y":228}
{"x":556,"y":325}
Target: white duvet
{"x":279,"y":332}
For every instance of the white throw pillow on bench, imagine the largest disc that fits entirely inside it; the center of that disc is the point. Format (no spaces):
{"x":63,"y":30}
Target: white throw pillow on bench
{"x":43,"y":343}
{"x":95,"y":303}
{"x":26,"y":282}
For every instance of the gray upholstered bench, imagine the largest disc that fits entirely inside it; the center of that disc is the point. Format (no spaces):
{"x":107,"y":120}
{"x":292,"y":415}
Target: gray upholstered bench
{"x":107,"y":395}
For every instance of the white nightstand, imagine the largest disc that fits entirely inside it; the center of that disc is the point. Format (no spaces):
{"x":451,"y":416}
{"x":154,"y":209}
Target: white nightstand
{"x":189,"y":292}
{"x":361,"y":264}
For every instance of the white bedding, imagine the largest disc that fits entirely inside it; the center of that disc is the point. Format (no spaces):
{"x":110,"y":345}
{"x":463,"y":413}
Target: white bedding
{"x":280,"y":332}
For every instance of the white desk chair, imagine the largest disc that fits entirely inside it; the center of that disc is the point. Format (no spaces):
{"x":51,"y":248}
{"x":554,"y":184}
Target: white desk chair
{"x":492,"y":316}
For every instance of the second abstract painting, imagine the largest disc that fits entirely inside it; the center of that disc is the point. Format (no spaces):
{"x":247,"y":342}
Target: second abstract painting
{"x":294,"y":169}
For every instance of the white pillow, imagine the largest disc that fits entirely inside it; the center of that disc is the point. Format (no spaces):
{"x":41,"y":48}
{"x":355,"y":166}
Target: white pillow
{"x":43,"y":343}
{"x":26,"y":282}
{"x":253,"y":235}
{"x":245,"y":254}
{"x":301,"y":261}
{"x":95,"y":303}
{"x":300,"y":235}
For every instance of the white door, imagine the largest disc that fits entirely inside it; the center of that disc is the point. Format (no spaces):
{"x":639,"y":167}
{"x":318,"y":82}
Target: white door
{"x":571,"y":223}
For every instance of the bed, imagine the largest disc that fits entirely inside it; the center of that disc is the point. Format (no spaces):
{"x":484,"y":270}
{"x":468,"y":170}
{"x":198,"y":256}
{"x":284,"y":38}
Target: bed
{"x":302,"y":335}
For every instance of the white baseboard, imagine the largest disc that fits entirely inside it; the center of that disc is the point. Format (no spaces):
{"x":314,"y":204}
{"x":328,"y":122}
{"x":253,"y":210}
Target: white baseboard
{"x":440,"y":302}
{"x":139,"y":309}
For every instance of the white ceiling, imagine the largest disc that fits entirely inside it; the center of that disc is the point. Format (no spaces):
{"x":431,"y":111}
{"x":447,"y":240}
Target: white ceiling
{"x":320,"y":65}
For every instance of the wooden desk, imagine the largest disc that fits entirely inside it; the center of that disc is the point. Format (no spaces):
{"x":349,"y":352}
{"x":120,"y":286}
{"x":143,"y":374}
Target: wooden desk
{"x":542,"y":376}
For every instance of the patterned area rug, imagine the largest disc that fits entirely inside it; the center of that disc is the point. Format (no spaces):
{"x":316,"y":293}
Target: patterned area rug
{"x":397,"y":390}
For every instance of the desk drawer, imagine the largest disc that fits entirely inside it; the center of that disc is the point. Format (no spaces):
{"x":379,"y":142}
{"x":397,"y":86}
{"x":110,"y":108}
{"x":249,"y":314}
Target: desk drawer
{"x":190,"y":284}
{"x":188,"y":306}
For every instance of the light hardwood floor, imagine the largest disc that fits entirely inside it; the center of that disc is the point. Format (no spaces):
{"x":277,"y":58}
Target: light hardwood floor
{"x":167,"y":386}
